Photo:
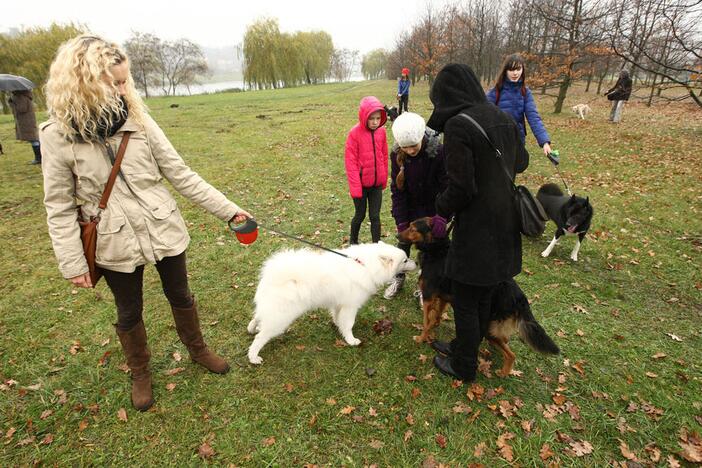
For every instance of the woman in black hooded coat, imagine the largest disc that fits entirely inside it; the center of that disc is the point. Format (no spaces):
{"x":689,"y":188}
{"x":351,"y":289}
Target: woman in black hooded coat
{"x":486,"y":247}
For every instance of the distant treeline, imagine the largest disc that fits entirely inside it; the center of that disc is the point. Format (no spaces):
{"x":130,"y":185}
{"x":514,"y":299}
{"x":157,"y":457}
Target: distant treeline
{"x":659,"y":41}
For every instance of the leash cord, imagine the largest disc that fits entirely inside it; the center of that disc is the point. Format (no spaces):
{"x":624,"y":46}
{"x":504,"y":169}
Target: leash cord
{"x":309,"y":243}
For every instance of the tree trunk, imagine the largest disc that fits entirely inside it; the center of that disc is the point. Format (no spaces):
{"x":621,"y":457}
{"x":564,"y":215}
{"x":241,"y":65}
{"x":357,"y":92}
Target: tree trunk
{"x":697,"y":99}
{"x":589,"y":80}
{"x":653,"y":88}
{"x":562,"y":91}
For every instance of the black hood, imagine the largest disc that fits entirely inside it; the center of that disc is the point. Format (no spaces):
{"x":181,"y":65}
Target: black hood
{"x":456,"y":88}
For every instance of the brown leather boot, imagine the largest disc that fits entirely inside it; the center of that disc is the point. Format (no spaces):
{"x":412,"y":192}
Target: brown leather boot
{"x":188,"y":326}
{"x":137,"y":353}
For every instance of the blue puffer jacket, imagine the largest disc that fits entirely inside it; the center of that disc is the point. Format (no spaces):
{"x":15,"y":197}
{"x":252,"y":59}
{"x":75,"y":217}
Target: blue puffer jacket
{"x":518,"y":106}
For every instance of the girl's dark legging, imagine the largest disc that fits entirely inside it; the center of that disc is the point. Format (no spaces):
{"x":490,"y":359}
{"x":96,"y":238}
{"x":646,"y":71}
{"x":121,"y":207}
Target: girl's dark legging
{"x":127,"y":289}
{"x":372,"y":197}
{"x":404,"y":102}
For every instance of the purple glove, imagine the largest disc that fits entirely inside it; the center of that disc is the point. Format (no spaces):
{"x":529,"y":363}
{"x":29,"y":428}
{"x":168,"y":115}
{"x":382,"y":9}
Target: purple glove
{"x":438,"y":227}
{"x":402,"y":226}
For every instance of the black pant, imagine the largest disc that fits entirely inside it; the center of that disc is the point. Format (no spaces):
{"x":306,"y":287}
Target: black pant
{"x":403,"y":102}
{"x":372,"y":197}
{"x":471,"y":314}
{"x":127,"y":289}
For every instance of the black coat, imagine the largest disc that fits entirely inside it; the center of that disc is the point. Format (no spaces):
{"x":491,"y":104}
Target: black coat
{"x":621,"y":89}
{"x":486,"y":247}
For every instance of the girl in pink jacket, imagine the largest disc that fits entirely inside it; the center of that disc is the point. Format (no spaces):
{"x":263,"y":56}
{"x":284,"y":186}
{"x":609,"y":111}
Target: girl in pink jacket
{"x":366,"y":159}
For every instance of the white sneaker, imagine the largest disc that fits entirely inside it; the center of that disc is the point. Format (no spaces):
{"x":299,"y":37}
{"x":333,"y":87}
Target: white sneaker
{"x":394,"y":287}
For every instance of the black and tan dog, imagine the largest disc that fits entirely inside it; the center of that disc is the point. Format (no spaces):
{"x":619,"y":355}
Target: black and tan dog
{"x":510,"y":311}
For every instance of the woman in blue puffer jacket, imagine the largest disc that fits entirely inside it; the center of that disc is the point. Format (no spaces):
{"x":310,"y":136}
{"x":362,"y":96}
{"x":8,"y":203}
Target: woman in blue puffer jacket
{"x":512,"y":96}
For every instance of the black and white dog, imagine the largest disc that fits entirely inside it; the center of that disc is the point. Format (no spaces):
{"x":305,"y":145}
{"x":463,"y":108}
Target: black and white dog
{"x":572,"y":215}
{"x":392,"y":113}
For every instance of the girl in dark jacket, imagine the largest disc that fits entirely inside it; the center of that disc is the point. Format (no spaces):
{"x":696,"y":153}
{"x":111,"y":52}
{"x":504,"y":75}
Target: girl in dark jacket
{"x":619,"y":94}
{"x":417,"y":175}
{"x":486,"y":245}
{"x":512,"y":96}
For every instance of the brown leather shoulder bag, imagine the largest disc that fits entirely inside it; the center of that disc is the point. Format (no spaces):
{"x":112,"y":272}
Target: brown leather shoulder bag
{"x":88,"y":229}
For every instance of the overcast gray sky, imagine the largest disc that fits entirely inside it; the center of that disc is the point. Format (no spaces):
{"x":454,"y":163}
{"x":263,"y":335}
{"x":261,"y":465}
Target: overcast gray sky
{"x":356,"y":24}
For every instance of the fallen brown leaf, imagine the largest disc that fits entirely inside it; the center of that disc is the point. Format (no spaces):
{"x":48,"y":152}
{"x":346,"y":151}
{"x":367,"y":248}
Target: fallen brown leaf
{"x":408,"y":435}
{"x":347,"y":409}
{"x":479,"y":449}
{"x":83,"y":425}
{"x":46,"y":413}
{"x":504,"y":448}
{"x":626,"y":452}
{"x":440,"y":440}
{"x":48,"y":438}
{"x":376,"y":444}
{"x":416,"y":392}
{"x":170,"y":386}
{"x":174,"y":371}
{"x":205,"y":451}
{"x":122,"y":414}
{"x":545,"y":453}
{"x":268,"y":441}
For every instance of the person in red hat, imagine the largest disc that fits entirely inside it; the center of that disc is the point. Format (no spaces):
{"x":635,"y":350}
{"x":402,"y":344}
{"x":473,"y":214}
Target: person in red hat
{"x":403,"y":86}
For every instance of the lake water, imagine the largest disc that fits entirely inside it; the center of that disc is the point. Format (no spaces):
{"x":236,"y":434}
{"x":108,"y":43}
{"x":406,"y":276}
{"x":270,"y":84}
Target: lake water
{"x":221,"y":86}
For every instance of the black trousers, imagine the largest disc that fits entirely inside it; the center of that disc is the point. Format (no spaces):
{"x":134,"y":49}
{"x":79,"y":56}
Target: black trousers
{"x":403,"y":102}
{"x":471,"y":314}
{"x":372,"y":198}
{"x":127,"y":289}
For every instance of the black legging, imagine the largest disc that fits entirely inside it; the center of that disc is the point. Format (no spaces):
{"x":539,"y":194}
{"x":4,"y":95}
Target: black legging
{"x":471,"y":314}
{"x":373,"y":197}
{"x":403,"y":103}
{"x":127,"y":289}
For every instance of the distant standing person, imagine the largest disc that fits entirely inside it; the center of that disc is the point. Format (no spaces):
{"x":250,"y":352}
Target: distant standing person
{"x":403,"y":86}
{"x":366,"y":160}
{"x":512,"y":95}
{"x":22,"y":106}
{"x":619,"y":94}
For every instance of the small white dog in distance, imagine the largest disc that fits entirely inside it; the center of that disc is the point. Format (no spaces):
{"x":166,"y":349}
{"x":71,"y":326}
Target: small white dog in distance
{"x":295,"y":281}
{"x":582,"y":110}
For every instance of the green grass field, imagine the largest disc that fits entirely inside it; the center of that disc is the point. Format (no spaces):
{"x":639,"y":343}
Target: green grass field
{"x":627,"y":316}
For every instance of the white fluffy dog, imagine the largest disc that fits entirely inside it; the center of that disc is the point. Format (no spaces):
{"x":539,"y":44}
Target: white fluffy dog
{"x":581,"y":109}
{"x":296,"y":281}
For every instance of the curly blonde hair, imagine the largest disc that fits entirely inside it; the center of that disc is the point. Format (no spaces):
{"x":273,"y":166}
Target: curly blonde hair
{"x":80,"y":92}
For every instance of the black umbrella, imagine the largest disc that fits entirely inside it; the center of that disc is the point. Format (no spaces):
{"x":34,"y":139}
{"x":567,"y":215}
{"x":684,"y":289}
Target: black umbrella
{"x":15,"y":83}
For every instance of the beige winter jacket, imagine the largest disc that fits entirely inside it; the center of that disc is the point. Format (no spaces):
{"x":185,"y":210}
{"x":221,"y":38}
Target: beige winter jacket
{"x":141,"y":223}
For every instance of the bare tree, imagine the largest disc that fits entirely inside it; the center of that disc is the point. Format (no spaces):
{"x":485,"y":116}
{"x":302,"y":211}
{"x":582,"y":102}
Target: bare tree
{"x":143,"y":51}
{"x":342,"y":63}
{"x":669,"y":48}
{"x":180,"y":63}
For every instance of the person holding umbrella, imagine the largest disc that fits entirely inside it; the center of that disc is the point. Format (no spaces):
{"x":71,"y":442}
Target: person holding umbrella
{"x":21,"y":102}
{"x":93,"y":105}
{"x":22,"y":106}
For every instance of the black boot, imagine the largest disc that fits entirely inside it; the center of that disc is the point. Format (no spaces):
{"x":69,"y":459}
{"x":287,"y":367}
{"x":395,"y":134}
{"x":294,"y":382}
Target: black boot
{"x":443,"y":347}
{"x":37,"y":155}
{"x":443,"y":363}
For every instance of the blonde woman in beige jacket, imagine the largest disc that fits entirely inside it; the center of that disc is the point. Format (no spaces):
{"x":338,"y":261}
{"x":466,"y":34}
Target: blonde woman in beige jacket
{"x":92,"y":101}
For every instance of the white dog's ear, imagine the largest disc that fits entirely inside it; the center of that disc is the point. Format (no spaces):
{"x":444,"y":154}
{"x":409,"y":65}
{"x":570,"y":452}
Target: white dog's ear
{"x":386,"y":262}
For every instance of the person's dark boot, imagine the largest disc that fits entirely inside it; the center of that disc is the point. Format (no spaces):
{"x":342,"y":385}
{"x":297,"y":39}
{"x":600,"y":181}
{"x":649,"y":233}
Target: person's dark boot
{"x":188,"y":327}
{"x":443,"y":363}
{"x":137,"y":353}
{"x":37,"y":155}
{"x":443,"y":347}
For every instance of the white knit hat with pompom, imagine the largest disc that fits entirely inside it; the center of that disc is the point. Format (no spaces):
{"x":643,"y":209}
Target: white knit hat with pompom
{"x":408,"y":129}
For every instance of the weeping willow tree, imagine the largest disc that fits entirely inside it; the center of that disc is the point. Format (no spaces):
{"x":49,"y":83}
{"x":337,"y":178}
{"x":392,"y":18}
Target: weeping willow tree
{"x":373,"y":64}
{"x":260,"y":50}
{"x":273,"y":59}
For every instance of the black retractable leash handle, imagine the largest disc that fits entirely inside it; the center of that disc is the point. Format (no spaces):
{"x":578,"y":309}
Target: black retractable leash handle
{"x":553,"y":156}
{"x":251,"y":226}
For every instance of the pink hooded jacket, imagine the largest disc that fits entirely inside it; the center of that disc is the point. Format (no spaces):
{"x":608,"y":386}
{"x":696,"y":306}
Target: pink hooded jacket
{"x":366,"y":155}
